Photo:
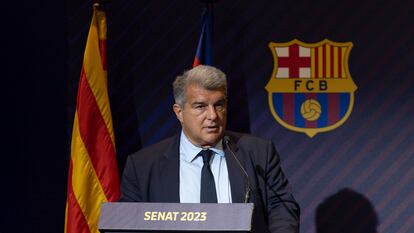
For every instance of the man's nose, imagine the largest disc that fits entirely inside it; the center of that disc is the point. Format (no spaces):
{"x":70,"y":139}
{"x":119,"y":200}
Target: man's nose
{"x":211,"y":113}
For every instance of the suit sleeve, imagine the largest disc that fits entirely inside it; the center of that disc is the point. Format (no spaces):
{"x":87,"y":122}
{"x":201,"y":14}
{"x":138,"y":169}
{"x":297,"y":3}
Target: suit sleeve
{"x":283,"y":210}
{"x":130,"y":190}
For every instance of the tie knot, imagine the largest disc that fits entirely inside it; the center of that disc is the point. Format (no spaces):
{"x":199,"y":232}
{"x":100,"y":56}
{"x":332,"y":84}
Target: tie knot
{"x":206,"y":154}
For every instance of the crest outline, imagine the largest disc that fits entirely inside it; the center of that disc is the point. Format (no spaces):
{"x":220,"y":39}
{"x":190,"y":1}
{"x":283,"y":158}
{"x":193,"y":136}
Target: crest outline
{"x":344,"y":85}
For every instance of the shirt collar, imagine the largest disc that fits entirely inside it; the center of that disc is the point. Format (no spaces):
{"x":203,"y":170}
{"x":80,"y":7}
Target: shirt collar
{"x":189,"y":151}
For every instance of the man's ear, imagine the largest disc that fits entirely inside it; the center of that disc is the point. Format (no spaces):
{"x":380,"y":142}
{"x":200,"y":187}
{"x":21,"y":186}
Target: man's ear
{"x":178,"y":112}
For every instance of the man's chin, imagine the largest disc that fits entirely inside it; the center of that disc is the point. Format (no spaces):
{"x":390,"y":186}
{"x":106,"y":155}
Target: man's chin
{"x":212,"y":139}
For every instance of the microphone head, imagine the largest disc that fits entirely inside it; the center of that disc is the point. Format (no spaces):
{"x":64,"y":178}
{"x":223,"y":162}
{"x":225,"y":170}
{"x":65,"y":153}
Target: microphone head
{"x":226,"y":139}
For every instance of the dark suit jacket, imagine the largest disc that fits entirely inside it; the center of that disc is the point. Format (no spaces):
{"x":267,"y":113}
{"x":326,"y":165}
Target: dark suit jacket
{"x":152,"y":175}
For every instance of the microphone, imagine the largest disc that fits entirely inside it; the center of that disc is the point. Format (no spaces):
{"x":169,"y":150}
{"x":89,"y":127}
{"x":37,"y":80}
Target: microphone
{"x":246,"y":176}
{"x":261,"y":173}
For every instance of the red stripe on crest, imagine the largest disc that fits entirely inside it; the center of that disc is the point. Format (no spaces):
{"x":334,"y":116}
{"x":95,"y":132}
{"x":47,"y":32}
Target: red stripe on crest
{"x":332,"y":62}
{"x":333,"y":108}
{"x":340,"y":62}
{"x":316,"y":63}
{"x":288,"y":108}
{"x":324,"y":61}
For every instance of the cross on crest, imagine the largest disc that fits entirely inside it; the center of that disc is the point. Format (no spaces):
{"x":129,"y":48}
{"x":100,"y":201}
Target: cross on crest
{"x":293,"y":61}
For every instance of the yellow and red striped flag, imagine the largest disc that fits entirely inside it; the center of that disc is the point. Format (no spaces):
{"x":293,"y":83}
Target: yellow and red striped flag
{"x":93,"y":173}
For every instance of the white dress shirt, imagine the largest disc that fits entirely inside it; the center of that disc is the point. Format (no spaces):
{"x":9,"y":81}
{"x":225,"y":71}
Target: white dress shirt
{"x":190,"y":172}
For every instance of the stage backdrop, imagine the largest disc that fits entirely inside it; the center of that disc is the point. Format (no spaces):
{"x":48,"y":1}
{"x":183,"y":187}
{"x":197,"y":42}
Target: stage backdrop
{"x":357,"y":177}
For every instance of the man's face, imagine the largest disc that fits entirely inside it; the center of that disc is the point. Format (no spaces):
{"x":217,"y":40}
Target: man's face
{"x":203,"y":116}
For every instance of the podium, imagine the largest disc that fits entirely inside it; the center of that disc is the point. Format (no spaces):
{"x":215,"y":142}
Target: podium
{"x":175,"y":217}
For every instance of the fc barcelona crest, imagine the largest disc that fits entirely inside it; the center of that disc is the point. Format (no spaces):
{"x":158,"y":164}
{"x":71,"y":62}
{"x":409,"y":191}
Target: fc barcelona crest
{"x":311,"y":89}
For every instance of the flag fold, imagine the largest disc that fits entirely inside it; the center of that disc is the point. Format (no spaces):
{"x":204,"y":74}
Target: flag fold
{"x":93,"y":173}
{"x":204,"y":53}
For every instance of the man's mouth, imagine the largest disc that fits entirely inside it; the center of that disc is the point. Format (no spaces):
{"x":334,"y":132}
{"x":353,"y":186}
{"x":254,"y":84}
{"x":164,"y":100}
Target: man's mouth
{"x":211,"y":128}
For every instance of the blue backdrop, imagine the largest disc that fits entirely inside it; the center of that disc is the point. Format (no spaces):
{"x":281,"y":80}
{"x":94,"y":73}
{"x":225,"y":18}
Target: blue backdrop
{"x":356,"y":178}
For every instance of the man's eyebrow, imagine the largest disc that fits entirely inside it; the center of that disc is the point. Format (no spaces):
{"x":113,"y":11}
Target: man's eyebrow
{"x":198,"y":102}
{"x":221,"y":100}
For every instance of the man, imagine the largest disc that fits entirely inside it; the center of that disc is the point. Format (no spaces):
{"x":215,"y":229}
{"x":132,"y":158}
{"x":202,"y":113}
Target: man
{"x":206,"y":163}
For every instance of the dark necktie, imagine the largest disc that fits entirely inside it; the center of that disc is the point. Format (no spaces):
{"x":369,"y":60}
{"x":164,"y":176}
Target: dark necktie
{"x":208,"y":187}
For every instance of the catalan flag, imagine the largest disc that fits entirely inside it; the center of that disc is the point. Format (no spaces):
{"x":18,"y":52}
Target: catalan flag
{"x":93,"y":174}
{"x":204,"y":53}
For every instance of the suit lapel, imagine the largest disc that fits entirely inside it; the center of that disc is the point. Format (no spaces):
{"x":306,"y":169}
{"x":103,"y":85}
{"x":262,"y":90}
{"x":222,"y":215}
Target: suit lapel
{"x":236,"y":176}
{"x":170,"y":172}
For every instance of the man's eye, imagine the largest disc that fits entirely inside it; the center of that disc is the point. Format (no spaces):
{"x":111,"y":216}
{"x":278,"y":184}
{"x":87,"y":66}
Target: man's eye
{"x":220,"y":107}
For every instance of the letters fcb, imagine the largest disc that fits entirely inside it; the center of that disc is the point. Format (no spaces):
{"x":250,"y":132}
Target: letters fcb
{"x":311,"y":89}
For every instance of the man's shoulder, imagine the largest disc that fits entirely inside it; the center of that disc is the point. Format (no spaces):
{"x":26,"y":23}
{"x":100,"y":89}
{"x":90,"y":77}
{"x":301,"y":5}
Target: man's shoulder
{"x":244,"y":139}
{"x":158,"y":149}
